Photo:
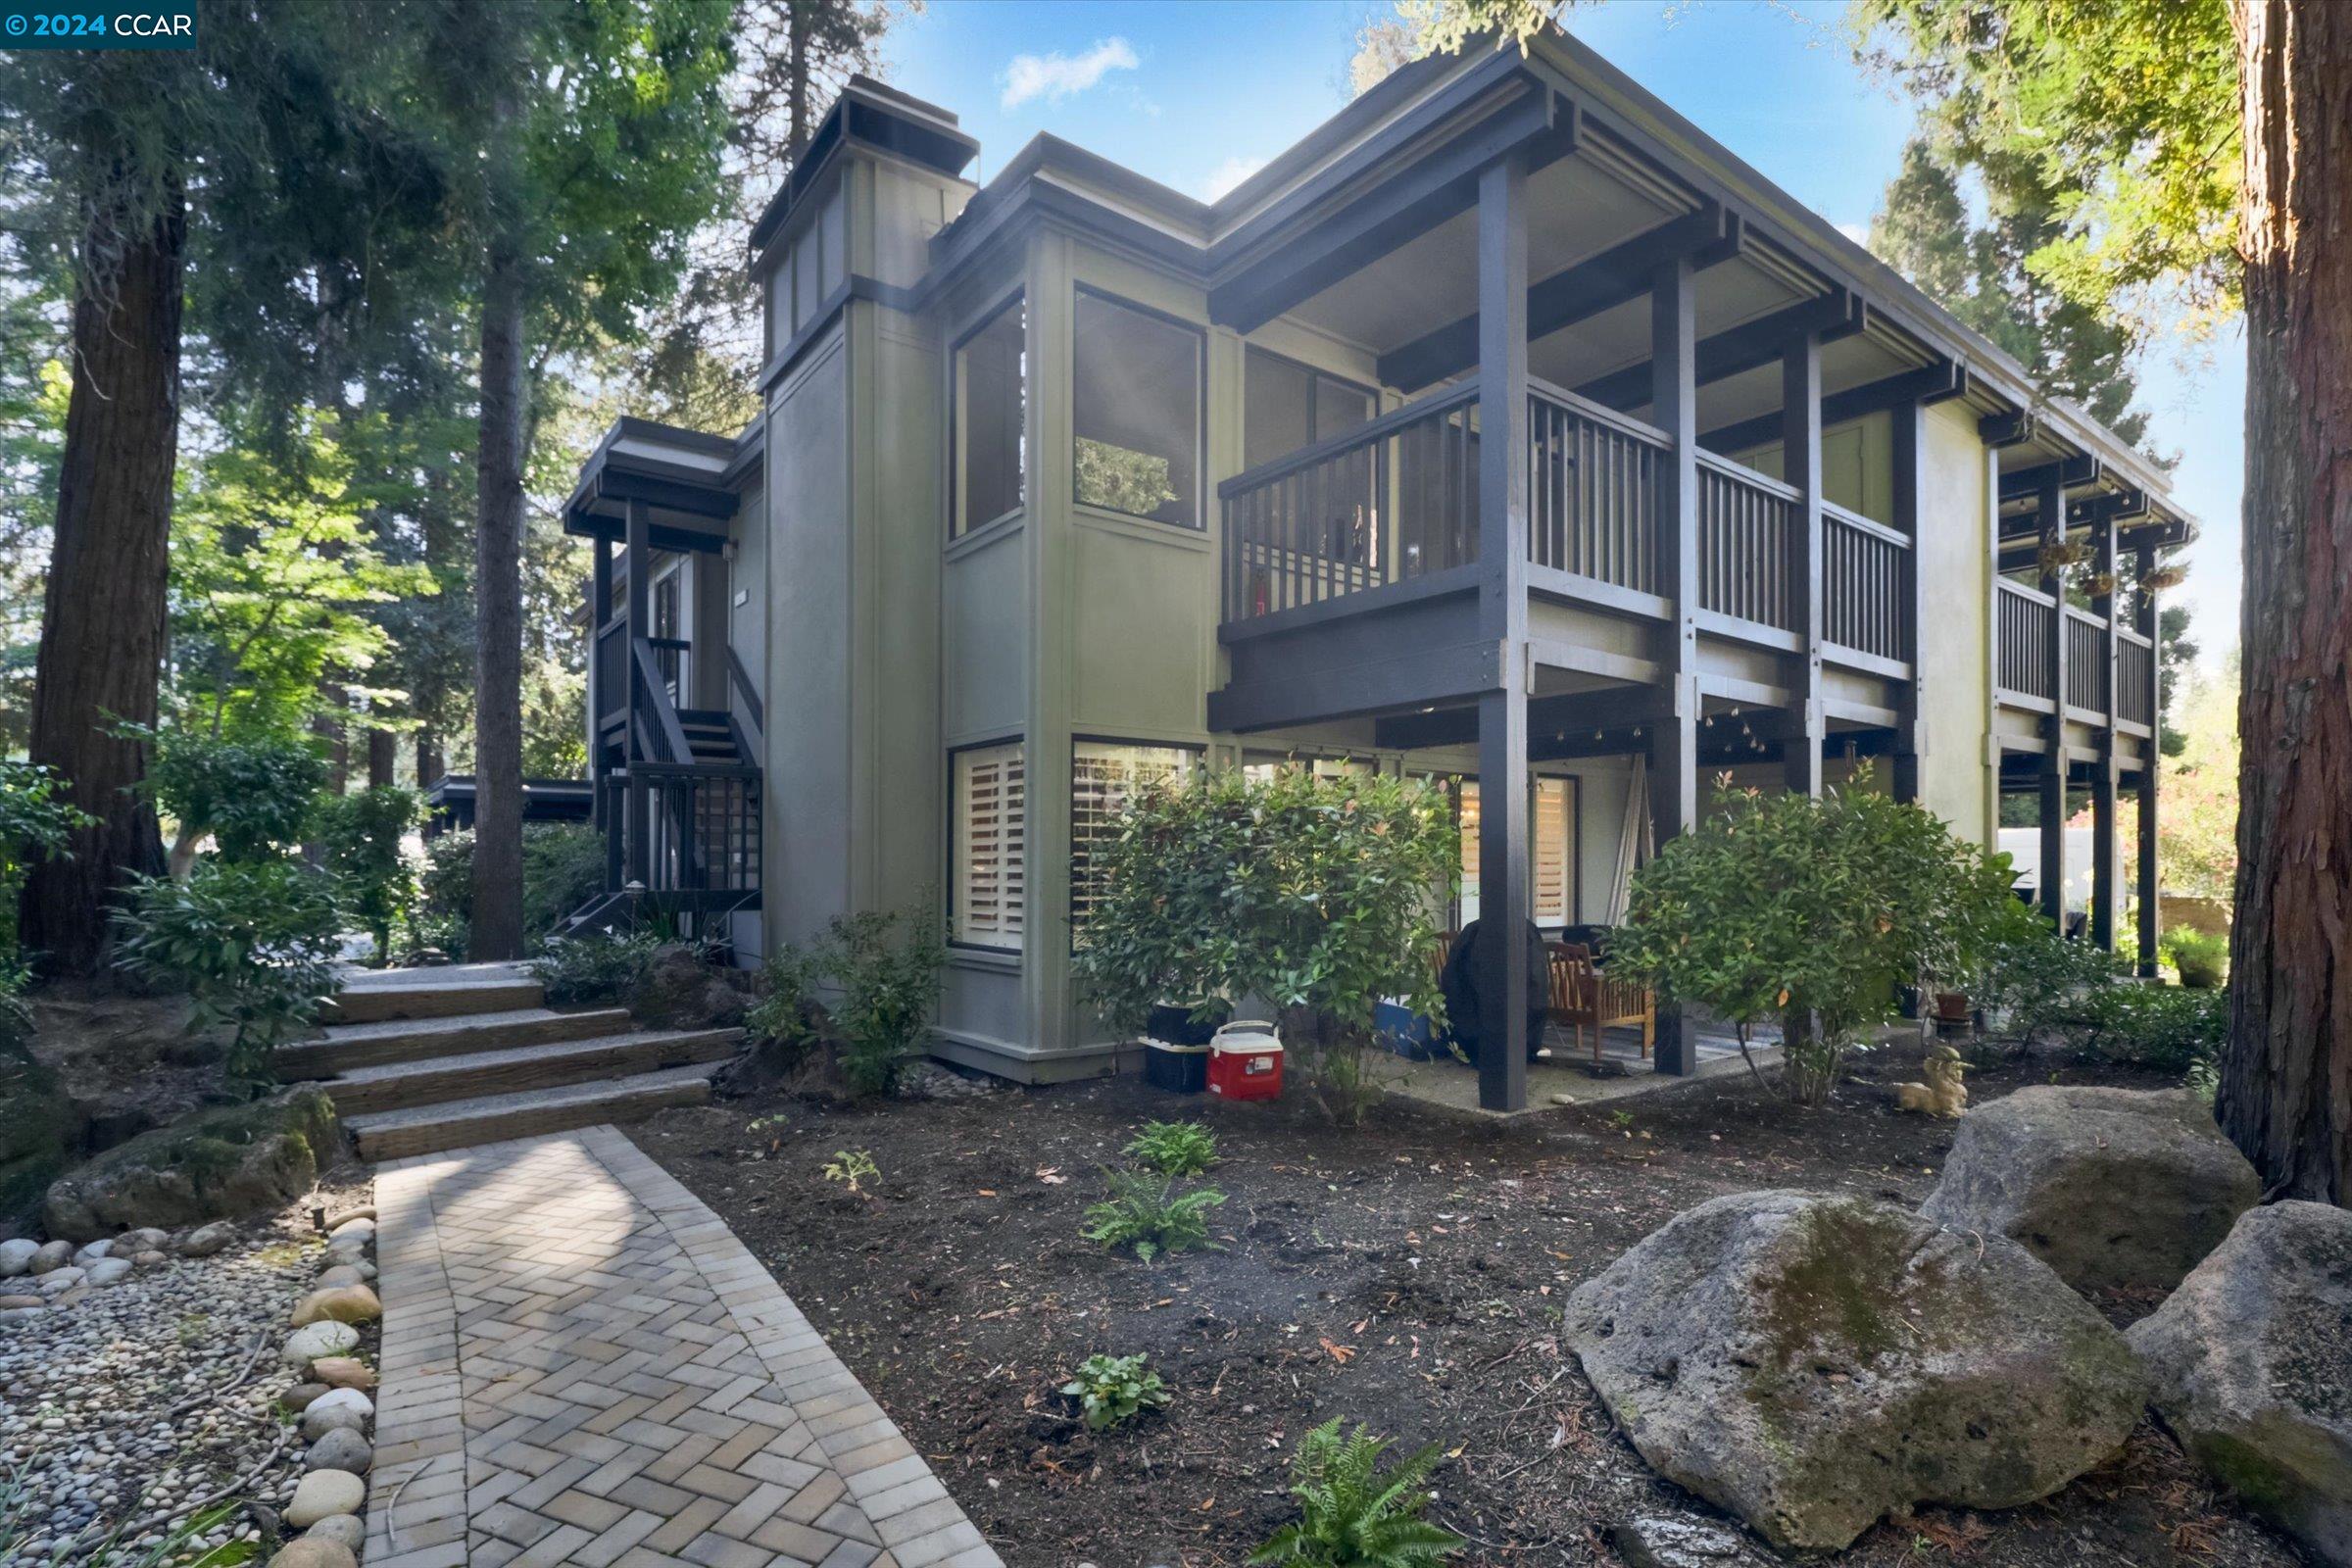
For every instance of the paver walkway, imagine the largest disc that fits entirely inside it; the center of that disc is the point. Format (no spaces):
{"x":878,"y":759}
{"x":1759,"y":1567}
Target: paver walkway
{"x":581,"y":1364}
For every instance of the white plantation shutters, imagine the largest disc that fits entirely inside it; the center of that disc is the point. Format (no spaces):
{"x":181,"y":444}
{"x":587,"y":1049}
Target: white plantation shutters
{"x":991,"y":803}
{"x":1104,"y":776}
{"x":1553,"y":896}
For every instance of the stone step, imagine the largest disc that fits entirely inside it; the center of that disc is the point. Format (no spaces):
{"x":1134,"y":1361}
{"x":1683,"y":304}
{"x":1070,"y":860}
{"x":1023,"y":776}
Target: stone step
{"x":441,"y":1080}
{"x":419,"y":993}
{"x":352,"y":1045}
{"x":461,"y":1124}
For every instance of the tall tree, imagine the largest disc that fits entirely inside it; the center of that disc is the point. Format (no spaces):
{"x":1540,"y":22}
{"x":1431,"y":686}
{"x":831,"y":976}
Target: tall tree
{"x":590,"y":137}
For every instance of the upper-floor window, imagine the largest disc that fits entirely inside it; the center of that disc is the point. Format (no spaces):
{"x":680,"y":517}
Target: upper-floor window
{"x":990,"y":410}
{"x":1136,"y":412}
{"x":1286,"y":406}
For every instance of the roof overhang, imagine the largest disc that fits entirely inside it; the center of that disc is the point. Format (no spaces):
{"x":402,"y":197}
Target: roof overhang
{"x":690,"y":483}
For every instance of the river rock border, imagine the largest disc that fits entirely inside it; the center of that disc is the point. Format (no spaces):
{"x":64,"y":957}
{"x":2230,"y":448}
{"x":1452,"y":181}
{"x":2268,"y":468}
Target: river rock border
{"x":333,"y":1410}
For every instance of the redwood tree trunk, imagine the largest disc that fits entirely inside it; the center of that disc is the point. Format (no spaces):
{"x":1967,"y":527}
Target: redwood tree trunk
{"x":383,"y":757}
{"x":2287,"y":1079}
{"x":102,"y":616}
{"x":497,"y":928}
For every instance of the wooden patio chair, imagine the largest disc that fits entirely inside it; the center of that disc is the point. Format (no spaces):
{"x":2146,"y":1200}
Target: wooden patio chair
{"x":1583,"y":996}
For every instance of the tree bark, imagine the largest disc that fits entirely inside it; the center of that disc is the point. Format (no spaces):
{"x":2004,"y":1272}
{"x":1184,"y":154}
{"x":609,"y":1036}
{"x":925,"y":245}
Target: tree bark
{"x":2285,"y":1093}
{"x":383,"y":758}
{"x":429,"y":758}
{"x":497,"y":927}
{"x":102,"y":616}
{"x":796,"y":82}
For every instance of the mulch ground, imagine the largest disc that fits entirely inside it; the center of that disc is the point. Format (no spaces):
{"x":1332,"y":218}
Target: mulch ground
{"x":1409,"y":1275}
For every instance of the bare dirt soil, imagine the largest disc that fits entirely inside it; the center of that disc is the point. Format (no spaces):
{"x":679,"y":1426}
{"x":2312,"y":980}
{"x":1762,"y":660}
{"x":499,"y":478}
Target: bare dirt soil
{"x":1409,"y":1275}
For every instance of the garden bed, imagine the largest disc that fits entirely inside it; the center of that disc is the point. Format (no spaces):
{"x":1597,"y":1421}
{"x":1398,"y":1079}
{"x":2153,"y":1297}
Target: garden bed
{"x":1409,"y":1275}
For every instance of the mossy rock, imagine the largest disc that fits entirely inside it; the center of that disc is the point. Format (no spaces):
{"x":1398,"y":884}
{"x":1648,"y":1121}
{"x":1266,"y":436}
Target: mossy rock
{"x":36,"y":1121}
{"x":230,"y":1163}
{"x":1813,"y":1362}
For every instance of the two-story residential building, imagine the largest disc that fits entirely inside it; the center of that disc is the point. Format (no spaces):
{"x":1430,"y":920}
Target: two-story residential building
{"x":1506,"y":430}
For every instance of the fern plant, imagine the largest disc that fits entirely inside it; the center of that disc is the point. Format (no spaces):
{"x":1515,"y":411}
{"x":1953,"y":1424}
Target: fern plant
{"x":1112,"y":1388}
{"x":1147,"y":1213}
{"x":1352,"y":1514}
{"x":1175,"y":1148}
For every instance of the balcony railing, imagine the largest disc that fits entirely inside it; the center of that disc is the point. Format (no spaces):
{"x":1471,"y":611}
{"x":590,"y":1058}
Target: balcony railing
{"x":2085,"y":660}
{"x":2135,"y":678}
{"x":1593,"y":490}
{"x":2025,"y":620}
{"x":1744,"y":519}
{"x":611,"y":665}
{"x":1863,"y":604}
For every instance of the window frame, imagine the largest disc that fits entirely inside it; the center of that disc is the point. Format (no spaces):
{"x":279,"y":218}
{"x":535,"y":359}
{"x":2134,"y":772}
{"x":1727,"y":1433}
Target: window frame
{"x":1195,"y":756}
{"x":957,"y":526}
{"x":958,"y":822}
{"x":1200,"y":337}
{"x":1316,"y":376}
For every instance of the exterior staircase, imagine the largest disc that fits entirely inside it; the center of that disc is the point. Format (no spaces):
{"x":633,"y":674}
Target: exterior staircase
{"x":420,"y":1061}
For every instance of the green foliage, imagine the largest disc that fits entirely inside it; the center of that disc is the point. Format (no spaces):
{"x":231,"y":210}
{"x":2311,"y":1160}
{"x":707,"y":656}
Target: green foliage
{"x":1111,"y":1389}
{"x":2201,"y":958}
{"x":2147,"y":1025}
{"x":1147,"y":1213}
{"x":594,"y":967}
{"x":881,"y":971}
{"x":1175,"y":1148}
{"x":562,"y":869}
{"x":2035,"y":981}
{"x":1352,"y":1514}
{"x":1113,"y":476}
{"x":1312,"y":893}
{"x":253,"y":943}
{"x":1813,"y":911}
{"x":852,"y":1167}
{"x":254,"y":795}
{"x":364,"y":835}
{"x":35,"y":821}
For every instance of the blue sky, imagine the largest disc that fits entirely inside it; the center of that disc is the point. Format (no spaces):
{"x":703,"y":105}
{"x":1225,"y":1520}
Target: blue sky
{"x":1196,"y":93}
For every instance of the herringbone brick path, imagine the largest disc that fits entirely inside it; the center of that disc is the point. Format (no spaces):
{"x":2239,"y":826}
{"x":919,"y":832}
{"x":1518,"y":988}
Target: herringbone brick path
{"x":583,"y":1365}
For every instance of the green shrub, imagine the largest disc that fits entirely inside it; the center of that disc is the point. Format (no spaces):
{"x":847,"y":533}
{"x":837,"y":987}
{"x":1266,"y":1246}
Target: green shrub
{"x":255,"y":795}
{"x":1147,"y":1213}
{"x":562,"y":869}
{"x":365,"y":839}
{"x":594,"y":967}
{"x":1175,"y":1148}
{"x":1114,"y":1389}
{"x":2201,"y":958}
{"x":1312,"y":893}
{"x":445,"y":893}
{"x":880,"y":970}
{"x":2035,"y":982}
{"x":1814,"y":912}
{"x":2147,"y":1025}
{"x":1352,"y":1514}
{"x":253,"y":943}
{"x":36,"y":823}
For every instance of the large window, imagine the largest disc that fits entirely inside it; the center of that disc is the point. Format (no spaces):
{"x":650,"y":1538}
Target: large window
{"x":1551,"y":869}
{"x":1286,"y":406}
{"x":1104,"y":777}
{"x":990,"y":410}
{"x":990,"y":803}
{"x":1135,"y":411}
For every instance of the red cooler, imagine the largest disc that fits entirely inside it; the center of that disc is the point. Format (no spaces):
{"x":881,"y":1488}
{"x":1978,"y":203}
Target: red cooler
{"x":1245,"y":1061}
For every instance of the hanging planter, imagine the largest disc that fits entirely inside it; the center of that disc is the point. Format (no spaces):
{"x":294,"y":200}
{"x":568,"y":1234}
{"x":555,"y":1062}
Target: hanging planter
{"x":2059,"y":554}
{"x":2099,"y":584}
{"x":2163,"y":577}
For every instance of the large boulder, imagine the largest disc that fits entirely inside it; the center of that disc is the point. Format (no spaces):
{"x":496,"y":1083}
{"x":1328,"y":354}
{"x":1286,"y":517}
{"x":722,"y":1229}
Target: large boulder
{"x":1811,"y":1362}
{"x":2116,"y":1189}
{"x":2252,"y":1362}
{"x":226,"y":1163}
{"x":681,"y":991}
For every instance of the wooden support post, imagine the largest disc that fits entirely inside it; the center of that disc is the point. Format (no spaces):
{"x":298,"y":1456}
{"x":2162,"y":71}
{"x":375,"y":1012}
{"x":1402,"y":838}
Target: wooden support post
{"x":1506,"y":819}
{"x":639,"y":566}
{"x":1800,"y":469}
{"x":2105,"y":888}
{"x":2052,"y":521}
{"x":1910,"y":444}
{"x":1673,"y":738}
{"x":2151,"y":894}
{"x":600,"y":610}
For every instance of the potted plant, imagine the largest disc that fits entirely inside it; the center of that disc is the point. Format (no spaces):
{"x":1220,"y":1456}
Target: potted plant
{"x":2163,"y":577}
{"x":2099,"y":584}
{"x":2057,"y":555}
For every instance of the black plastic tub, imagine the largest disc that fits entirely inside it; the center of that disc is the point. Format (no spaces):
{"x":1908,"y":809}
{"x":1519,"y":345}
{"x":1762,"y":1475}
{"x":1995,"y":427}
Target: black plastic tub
{"x":1179,"y":1070}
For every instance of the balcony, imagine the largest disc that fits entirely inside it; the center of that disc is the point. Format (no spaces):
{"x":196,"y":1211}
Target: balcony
{"x":2026,"y":667}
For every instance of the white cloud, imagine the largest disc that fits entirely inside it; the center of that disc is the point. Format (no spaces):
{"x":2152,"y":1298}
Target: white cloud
{"x":1057,"y":77}
{"x":1227,"y":174}
{"x":1859,"y":234}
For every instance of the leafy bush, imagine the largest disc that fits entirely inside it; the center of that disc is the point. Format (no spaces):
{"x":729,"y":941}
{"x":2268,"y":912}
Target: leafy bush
{"x":2035,"y":981}
{"x":1175,"y":1148}
{"x":36,"y":823}
{"x":1312,"y":893}
{"x":253,"y":943}
{"x":1815,"y":911}
{"x":253,"y":794}
{"x":2171,"y":1027}
{"x":882,"y":972}
{"x":365,"y":838}
{"x":562,"y":869}
{"x":2201,"y":958}
{"x":1114,"y":1389}
{"x":596,"y":966}
{"x":1147,"y":1213}
{"x":1354,"y":1515}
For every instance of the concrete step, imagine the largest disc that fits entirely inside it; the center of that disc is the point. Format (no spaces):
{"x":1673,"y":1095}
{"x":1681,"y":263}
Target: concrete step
{"x":461,"y":1124}
{"x":353,"y":1046}
{"x":373,"y":995}
{"x":442,"y":1080}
